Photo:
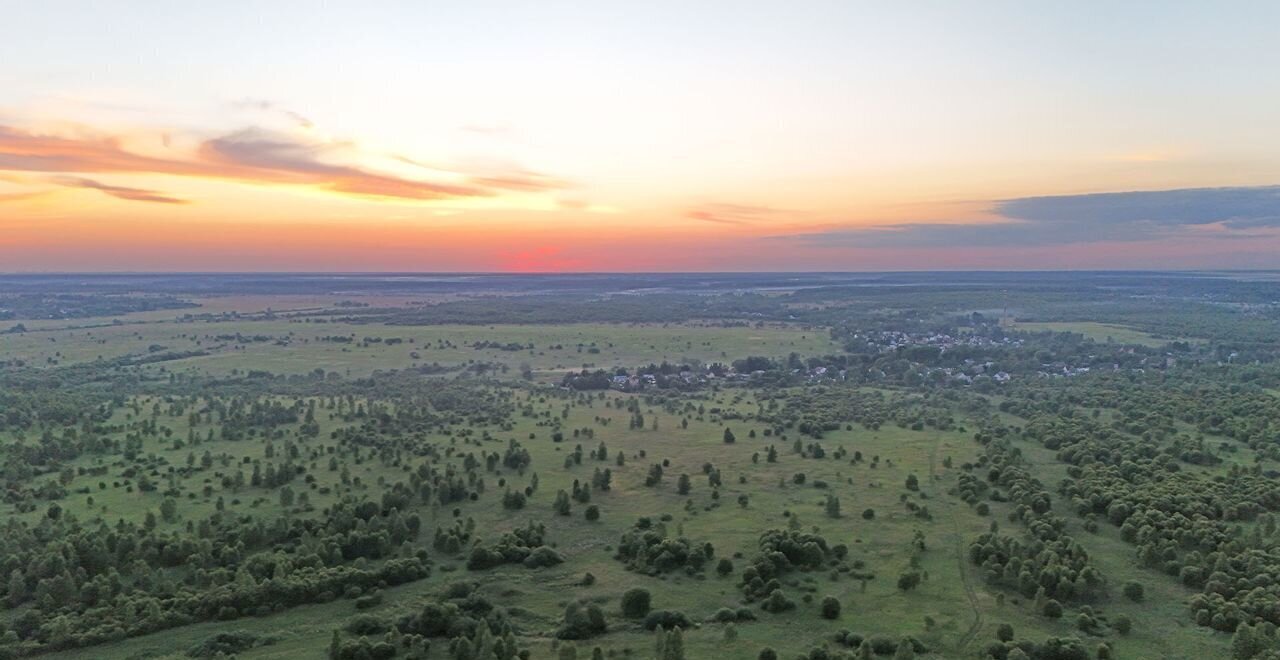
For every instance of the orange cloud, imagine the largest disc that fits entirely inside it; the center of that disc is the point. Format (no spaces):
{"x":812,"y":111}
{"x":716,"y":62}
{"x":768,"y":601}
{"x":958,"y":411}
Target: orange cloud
{"x":261,"y":156}
{"x":251,"y":156}
{"x":28,"y":152}
{"x":22,"y":196}
{"x":521,"y":181}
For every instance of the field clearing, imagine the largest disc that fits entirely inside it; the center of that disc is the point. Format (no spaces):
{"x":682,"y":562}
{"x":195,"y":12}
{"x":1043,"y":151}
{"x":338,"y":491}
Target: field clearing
{"x":292,"y":346}
{"x":1099,"y":332}
{"x":883,"y":543}
{"x":963,"y":612}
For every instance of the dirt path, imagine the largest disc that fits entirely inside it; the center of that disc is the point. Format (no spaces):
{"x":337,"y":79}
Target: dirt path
{"x":969,"y":592}
{"x":958,"y":539}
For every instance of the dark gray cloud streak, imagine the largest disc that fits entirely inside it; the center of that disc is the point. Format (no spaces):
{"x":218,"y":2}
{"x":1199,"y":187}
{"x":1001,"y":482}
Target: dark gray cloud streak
{"x":1065,"y":219}
{"x":121,"y":192}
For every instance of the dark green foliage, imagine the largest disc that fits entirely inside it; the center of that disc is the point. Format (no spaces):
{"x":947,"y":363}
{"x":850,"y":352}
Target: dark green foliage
{"x":644,"y":548}
{"x":683,"y":484}
{"x":667,"y":619}
{"x":782,"y":551}
{"x":519,"y":546}
{"x":369,"y":602}
{"x":729,"y":615}
{"x":635,"y":603}
{"x":832,"y":506}
{"x":228,"y":643}
{"x":367,"y":624}
{"x":777,"y":602}
{"x":582,"y":621}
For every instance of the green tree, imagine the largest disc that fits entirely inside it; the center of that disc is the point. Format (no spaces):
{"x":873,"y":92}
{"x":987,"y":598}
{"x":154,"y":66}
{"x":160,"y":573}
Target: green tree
{"x":830,"y":608}
{"x":674,"y":648}
{"x":169,"y":510}
{"x":1247,"y":642}
{"x":561,"y":505}
{"x":17,"y":588}
{"x":335,"y":646}
{"x":635,"y":603}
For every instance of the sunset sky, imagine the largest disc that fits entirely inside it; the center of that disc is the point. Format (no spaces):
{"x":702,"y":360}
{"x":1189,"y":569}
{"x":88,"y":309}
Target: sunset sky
{"x":603,"y":136}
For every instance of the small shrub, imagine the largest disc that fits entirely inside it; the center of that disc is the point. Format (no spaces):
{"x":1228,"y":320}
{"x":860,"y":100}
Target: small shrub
{"x":830,"y":608}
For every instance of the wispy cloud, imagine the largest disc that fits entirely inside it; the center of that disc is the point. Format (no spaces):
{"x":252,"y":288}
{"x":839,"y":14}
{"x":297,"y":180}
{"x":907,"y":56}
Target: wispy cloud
{"x":1069,"y":219}
{"x":30,"y":152}
{"x":521,"y":180}
{"x":131,"y":194}
{"x":264,"y":105}
{"x":22,"y":196}
{"x":253,"y":155}
{"x":731,"y":214}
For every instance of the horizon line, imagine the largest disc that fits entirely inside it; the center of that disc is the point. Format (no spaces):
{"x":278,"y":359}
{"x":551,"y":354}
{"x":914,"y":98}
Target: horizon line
{"x":375,"y":273}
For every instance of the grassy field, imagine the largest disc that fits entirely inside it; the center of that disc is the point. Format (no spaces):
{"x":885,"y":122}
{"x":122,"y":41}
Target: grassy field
{"x":962,"y":611}
{"x":952,"y":611}
{"x":883,"y":543}
{"x":1100,"y":332}
{"x":284,"y":346}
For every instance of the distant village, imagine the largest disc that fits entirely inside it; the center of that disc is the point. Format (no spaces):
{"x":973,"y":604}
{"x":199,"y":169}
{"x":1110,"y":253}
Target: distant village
{"x":921,"y":350}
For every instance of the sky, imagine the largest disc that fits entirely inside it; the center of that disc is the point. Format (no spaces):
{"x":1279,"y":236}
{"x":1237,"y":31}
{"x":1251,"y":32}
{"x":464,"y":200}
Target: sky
{"x":657,"y":136}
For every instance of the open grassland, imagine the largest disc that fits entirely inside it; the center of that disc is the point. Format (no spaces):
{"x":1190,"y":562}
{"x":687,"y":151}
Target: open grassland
{"x":953,"y":610}
{"x":773,"y":499}
{"x":284,"y":346}
{"x":1099,"y":332}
